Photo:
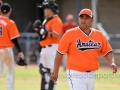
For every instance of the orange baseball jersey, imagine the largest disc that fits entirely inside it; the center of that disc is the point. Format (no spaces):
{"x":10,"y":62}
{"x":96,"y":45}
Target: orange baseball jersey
{"x":83,"y":50}
{"x":8,"y":31}
{"x":55,"y":25}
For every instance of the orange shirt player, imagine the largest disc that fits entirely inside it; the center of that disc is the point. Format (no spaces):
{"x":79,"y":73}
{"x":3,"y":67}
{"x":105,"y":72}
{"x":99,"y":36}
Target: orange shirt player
{"x":83,"y":45}
{"x":8,"y":39}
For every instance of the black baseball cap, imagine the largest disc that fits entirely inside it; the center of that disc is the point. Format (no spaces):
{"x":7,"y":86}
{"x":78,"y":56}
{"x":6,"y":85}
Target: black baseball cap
{"x":5,"y":8}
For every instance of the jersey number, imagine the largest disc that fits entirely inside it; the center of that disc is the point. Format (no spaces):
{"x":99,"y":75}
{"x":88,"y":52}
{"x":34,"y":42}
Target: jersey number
{"x":1,"y":31}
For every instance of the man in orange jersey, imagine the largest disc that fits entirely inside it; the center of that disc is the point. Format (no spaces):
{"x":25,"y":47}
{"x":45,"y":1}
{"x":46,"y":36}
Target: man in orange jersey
{"x":52,"y":27}
{"x":8,"y":39}
{"x":83,"y":45}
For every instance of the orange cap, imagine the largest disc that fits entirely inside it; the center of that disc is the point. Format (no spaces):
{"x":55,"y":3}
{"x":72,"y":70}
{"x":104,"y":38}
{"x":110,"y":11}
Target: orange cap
{"x":86,"y":11}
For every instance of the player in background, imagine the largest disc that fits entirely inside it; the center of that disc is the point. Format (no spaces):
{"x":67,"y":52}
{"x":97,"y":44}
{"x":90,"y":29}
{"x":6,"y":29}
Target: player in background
{"x":8,"y":39}
{"x":52,"y":26}
{"x":83,"y":45}
{"x":70,"y":23}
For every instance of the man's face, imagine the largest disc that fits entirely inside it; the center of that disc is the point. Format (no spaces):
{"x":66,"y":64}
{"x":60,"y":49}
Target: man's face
{"x":70,"y":21}
{"x":46,"y":12}
{"x":85,"y":21}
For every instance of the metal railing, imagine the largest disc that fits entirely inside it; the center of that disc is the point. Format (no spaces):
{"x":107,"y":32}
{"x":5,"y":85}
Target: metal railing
{"x":29,"y":43}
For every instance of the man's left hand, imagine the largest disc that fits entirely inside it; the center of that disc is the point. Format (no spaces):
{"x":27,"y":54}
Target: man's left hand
{"x":114,"y":67}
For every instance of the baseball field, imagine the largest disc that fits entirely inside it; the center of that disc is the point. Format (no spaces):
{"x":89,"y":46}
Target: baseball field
{"x":29,"y":79}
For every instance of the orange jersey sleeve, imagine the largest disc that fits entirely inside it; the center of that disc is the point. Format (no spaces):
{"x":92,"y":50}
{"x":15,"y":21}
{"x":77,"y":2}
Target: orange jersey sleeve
{"x":57,"y":27}
{"x":64,"y":43}
{"x":105,"y":46}
{"x":13,"y":31}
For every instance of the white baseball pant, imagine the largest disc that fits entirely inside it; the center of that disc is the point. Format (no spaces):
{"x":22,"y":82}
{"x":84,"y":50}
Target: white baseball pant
{"x":7,"y":62}
{"x":47,"y":58}
{"x":80,"y":80}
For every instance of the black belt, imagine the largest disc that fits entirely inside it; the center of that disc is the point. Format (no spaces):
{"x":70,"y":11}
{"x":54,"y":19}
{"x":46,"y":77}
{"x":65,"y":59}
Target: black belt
{"x":89,"y":71}
{"x":47,"y":46}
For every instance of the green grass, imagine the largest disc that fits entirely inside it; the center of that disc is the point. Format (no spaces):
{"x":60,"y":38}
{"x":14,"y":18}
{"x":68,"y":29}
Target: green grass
{"x":29,"y":79}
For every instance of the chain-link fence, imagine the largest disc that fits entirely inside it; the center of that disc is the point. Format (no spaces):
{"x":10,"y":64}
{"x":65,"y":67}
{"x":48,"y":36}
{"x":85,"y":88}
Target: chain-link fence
{"x":29,"y":43}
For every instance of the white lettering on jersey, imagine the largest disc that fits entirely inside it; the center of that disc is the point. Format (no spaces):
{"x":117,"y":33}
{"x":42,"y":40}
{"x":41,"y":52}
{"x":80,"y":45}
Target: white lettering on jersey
{"x":3,"y":22}
{"x":87,"y":45}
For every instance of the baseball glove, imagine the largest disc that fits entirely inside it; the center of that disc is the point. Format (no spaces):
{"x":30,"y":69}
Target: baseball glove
{"x":37,"y":24}
{"x":21,"y":62}
{"x":40,"y":29}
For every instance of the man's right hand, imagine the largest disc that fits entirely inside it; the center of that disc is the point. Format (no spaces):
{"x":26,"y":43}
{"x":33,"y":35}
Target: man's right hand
{"x":21,"y":55}
{"x":20,"y":59}
{"x":54,"y":76}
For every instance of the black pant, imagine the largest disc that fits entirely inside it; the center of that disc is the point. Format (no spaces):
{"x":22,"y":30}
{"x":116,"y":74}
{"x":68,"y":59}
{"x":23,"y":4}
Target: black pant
{"x":50,"y":84}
